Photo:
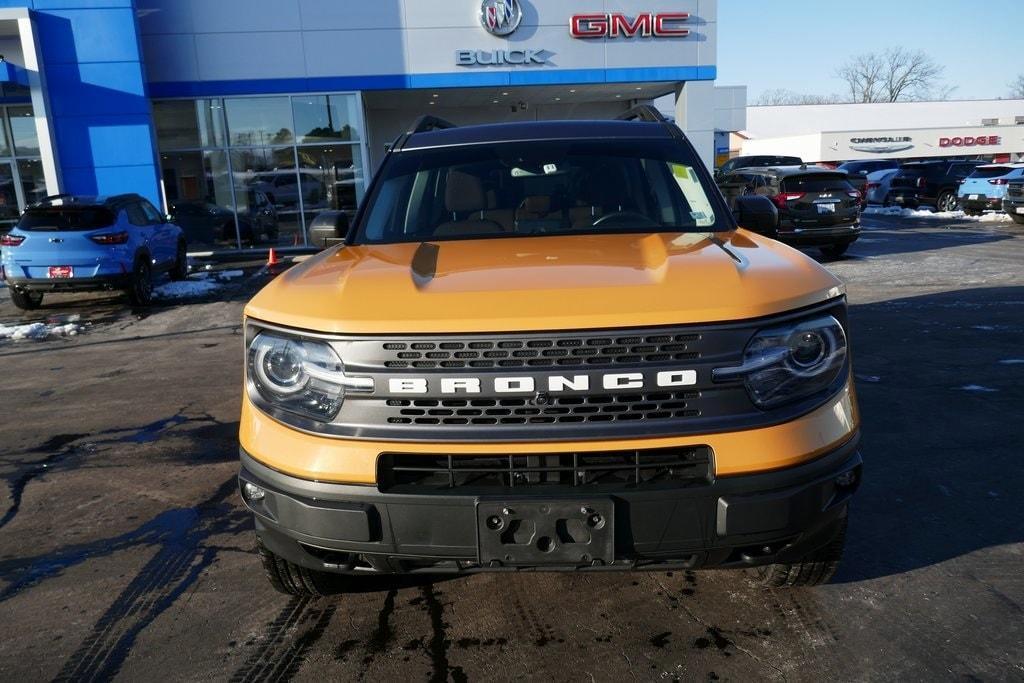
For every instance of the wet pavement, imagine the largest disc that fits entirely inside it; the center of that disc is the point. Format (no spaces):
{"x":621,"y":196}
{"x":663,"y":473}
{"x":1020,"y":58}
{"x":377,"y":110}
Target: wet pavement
{"x":125,"y":551}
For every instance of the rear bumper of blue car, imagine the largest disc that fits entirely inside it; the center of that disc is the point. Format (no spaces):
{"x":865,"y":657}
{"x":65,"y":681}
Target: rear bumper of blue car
{"x":75,"y":284}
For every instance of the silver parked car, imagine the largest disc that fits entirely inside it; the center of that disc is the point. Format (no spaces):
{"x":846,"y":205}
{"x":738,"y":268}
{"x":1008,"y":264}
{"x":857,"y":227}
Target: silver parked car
{"x":877,"y":186}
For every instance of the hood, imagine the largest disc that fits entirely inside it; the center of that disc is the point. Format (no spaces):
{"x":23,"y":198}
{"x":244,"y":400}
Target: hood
{"x":543,"y":283}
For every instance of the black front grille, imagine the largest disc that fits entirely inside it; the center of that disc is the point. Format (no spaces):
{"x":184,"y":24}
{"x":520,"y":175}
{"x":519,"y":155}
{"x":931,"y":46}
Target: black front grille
{"x":558,"y":410}
{"x":611,"y":470}
{"x":1015,"y":190}
{"x":542,"y":352}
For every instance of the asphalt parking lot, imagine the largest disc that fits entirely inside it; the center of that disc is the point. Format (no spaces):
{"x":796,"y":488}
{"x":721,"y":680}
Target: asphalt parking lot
{"x":125,"y":550}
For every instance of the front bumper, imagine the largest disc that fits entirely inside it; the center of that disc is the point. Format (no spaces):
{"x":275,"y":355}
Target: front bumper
{"x":77,"y":284}
{"x":1013,"y":205}
{"x":735,"y":521}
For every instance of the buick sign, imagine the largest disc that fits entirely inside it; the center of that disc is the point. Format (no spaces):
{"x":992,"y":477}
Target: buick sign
{"x":500,"y":17}
{"x":524,"y":57}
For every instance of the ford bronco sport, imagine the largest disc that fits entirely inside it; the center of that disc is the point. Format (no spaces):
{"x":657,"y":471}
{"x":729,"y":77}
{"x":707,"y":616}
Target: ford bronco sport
{"x":548,"y":346}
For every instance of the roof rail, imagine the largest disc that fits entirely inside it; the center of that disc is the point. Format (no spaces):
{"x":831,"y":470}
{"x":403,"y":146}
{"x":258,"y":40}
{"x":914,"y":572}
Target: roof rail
{"x":427,"y":122}
{"x":642,"y":112}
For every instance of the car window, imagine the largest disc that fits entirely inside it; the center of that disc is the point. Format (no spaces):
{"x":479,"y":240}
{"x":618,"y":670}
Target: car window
{"x":136,"y":216}
{"x":152,"y":215}
{"x":54,"y":219}
{"x":990,"y":172}
{"x":816,"y":183}
{"x":539,"y":188}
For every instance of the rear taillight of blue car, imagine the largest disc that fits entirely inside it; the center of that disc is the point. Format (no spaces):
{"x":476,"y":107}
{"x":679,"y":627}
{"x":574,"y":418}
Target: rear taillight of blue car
{"x":998,"y":181}
{"x":9,"y":240}
{"x":110,"y":238}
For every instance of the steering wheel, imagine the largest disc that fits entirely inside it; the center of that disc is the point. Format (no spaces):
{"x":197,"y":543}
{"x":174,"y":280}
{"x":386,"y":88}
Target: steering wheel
{"x":631,"y":216}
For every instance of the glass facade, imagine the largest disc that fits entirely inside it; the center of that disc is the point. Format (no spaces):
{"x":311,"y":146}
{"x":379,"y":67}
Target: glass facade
{"x":21,"y":169}
{"x":254,"y":171}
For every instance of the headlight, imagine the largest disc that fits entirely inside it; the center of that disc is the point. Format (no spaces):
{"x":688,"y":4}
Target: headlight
{"x":301,"y":376}
{"x":787,"y":363}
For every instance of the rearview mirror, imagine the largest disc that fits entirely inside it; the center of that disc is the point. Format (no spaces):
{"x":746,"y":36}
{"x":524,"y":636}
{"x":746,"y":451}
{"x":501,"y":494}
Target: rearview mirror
{"x":757,"y":213}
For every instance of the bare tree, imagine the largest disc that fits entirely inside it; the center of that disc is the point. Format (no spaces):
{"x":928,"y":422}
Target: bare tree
{"x":895,"y":75}
{"x":782,"y":96}
{"x":1017,"y":88}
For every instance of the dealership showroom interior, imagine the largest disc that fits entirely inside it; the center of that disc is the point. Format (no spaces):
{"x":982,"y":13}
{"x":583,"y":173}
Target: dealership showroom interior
{"x":563,"y":340}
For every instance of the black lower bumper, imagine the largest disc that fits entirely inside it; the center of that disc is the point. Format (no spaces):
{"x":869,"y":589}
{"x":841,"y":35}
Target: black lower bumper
{"x":983,"y":204}
{"x":78,"y":284}
{"x":815,"y":237}
{"x":738,"y":521}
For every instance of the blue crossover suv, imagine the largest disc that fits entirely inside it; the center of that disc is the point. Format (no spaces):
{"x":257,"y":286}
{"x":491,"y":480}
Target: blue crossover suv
{"x":986,"y":187}
{"x":71,"y":243}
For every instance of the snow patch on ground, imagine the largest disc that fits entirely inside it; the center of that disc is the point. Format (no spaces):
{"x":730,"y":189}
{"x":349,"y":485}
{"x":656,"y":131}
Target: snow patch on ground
{"x":230,"y":274}
{"x":185,"y":289}
{"x":936,"y":215}
{"x":39,"y":331}
{"x":1012,"y":361}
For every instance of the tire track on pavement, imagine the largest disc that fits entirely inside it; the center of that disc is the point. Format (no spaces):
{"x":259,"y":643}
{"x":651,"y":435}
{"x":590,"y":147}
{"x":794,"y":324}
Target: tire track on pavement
{"x":177,"y":565}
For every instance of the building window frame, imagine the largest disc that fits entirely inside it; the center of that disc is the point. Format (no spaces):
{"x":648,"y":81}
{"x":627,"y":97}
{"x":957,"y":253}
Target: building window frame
{"x":227,"y":147}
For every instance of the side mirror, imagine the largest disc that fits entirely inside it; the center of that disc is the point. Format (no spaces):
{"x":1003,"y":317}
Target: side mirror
{"x":757,"y":213}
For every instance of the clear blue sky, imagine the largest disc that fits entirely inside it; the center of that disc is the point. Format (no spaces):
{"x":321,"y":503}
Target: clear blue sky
{"x":798,"y":44}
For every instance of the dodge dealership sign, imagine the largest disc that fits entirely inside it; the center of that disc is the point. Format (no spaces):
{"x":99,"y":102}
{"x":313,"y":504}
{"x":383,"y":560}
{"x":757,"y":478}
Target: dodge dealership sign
{"x":970,"y":141}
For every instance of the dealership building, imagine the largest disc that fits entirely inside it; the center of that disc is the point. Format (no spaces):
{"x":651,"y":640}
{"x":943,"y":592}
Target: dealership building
{"x":991,"y":129}
{"x":230,"y":113}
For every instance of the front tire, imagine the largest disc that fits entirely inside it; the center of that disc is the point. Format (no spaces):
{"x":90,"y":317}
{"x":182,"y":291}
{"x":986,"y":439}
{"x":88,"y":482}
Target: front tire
{"x":813,"y":569}
{"x":291,"y":579}
{"x":26,"y":301}
{"x":180,"y":269}
{"x":140,"y":290}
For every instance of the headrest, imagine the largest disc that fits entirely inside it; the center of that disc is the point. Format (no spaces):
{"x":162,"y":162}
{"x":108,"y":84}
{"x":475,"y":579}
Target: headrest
{"x":464,"y":192}
{"x":534,"y":206}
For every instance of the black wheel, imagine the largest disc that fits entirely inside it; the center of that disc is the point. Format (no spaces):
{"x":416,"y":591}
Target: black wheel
{"x":813,"y":570}
{"x":1018,"y":219}
{"x":291,"y":579}
{"x":835,"y":250}
{"x":26,"y":301}
{"x":140,"y":289}
{"x":179,"y":271}
{"x":946,"y":202}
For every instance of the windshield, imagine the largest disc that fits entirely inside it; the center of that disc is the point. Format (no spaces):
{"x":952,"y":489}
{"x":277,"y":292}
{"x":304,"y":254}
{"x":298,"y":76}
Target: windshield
{"x":66,"y":218}
{"x":540,"y":188}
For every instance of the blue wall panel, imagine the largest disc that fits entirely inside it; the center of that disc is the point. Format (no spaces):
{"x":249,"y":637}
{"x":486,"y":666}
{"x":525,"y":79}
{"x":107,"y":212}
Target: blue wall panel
{"x":99,"y":109}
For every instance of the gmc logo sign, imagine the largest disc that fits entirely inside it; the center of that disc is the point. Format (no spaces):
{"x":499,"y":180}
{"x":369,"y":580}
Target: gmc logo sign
{"x":969,"y":141}
{"x":616,"y":24}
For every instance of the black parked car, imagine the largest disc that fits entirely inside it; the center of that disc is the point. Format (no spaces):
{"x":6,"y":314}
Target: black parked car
{"x":756,"y":161}
{"x":1013,"y":202}
{"x":817,"y":206}
{"x":933,"y":183}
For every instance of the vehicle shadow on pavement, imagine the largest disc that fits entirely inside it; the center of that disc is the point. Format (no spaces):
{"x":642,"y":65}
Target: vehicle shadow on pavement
{"x":938,"y":380}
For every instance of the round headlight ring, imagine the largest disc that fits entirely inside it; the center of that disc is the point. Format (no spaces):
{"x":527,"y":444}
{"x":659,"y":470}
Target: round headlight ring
{"x":808,"y":348}
{"x":279,"y":365}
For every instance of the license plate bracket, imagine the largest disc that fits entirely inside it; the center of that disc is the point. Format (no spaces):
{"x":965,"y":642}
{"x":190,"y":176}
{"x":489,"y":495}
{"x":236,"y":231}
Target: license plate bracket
{"x":826,"y":208}
{"x":530,"y":533}
{"x":61,"y":272}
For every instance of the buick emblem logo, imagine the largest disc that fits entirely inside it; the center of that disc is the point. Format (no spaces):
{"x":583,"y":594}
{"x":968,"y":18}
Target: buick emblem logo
{"x":500,"y":17}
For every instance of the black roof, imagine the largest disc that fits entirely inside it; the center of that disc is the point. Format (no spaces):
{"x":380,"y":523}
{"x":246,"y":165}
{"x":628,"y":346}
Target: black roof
{"x":110,"y":201}
{"x":537,"y":130}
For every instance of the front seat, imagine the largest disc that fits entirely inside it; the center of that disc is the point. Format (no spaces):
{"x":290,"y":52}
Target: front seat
{"x":465,"y":200}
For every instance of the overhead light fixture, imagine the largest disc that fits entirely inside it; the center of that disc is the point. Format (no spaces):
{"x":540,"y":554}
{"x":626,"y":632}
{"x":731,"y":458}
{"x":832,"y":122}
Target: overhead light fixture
{"x":494,"y":101}
{"x":505,"y":94}
{"x":434,"y":95}
{"x":572,"y":89}
{"x":558,"y":99}
{"x":638,"y":88}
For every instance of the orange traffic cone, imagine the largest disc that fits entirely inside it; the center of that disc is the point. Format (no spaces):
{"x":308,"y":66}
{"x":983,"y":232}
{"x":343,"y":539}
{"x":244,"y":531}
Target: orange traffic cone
{"x":272,"y":258}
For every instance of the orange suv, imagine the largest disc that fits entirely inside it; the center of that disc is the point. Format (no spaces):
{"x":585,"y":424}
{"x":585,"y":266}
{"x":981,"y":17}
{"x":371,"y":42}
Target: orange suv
{"x":549,"y":346}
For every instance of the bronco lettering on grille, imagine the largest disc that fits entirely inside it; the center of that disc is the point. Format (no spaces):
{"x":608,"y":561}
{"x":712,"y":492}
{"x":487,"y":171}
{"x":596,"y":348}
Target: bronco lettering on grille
{"x":526,"y":384}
